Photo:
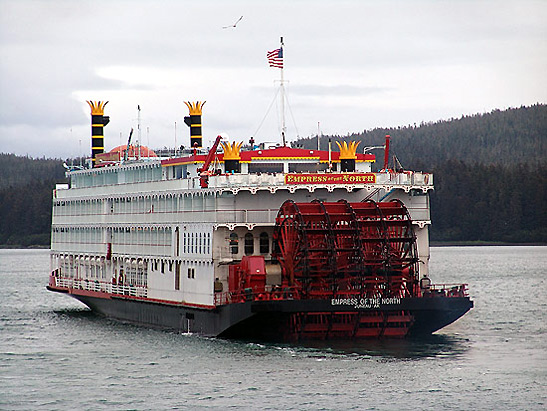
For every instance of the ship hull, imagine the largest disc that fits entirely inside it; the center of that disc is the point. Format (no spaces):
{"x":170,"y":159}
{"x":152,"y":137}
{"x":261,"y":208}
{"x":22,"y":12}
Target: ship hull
{"x":284,"y":320}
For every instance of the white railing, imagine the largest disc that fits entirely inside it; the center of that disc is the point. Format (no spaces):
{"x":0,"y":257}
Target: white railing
{"x":407,"y":178}
{"x":264,"y":180}
{"x":101,"y":287}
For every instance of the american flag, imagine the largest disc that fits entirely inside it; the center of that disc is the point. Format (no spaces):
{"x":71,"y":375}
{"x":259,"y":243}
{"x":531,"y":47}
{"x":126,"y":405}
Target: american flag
{"x":275,"y":58}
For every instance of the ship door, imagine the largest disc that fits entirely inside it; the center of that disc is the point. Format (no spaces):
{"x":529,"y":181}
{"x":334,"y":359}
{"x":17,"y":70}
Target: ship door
{"x":177,"y":275}
{"x":177,"y":242}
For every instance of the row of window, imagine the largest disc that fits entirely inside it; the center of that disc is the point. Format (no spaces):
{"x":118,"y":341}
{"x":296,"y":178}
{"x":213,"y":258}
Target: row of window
{"x":137,"y":205}
{"x":125,"y":239}
{"x":123,"y":272}
{"x":249,"y":244}
{"x":140,"y":174}
{"x":194,"y":243}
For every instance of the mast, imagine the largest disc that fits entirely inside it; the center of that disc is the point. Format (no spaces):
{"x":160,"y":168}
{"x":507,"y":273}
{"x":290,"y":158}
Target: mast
{"x":282,"y":92}
{"x":275,"y":59}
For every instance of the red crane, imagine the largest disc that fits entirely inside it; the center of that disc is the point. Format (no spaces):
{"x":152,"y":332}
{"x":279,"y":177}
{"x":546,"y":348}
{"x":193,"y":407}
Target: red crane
{"x":203,"y":171}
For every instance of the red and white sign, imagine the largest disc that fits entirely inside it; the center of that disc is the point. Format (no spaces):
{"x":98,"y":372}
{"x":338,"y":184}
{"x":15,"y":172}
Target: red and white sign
{"x":343,"y":178}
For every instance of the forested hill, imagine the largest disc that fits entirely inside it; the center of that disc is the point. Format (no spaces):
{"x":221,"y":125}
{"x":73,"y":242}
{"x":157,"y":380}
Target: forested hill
{"x":509,"y":137}
{"x":19,"y":171}
{"x":490,"y":174}
{"x":26,"y":186}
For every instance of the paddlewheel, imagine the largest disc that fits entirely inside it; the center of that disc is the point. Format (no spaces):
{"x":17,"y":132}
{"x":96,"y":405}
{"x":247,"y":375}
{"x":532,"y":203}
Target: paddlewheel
{"x":362,"y":251}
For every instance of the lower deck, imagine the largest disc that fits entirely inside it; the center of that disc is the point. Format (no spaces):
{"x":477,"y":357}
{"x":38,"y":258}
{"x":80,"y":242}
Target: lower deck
{"x":276,"y":317}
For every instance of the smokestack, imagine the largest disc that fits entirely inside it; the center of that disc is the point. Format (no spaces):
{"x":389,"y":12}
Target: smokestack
{"x":386,"y":152}
{"x":98,"y":121}
{"x":194,"y":122}
{"x":348,"y":155}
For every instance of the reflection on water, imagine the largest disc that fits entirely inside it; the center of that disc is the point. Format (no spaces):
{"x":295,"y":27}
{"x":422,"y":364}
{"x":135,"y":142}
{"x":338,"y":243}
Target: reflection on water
{"x":409,"y":348}
{"x":436,"y":345}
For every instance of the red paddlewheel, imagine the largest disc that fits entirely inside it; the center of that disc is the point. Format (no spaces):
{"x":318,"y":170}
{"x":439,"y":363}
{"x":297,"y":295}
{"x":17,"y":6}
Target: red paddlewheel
{"x":289,"y":240}
{"x":346,"y":249}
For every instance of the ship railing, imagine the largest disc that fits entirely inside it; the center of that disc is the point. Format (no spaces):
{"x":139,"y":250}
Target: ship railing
{"x":295,"y":293}
{"x":409,"y":178}
{"x":248,"y":294}
{"x":446,"y":290}
{"x":101,"y":286}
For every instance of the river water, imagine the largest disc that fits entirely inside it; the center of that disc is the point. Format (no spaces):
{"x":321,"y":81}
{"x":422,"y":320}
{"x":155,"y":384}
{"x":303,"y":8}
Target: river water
{"x":56,"y":354}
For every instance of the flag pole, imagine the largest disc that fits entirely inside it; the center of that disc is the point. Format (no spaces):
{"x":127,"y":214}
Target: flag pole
{"x":283,"y":127}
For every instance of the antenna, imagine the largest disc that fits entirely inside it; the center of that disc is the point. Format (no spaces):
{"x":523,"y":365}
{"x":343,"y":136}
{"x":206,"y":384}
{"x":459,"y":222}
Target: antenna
{"x":282,"y":87}
{"x":148,"y":141}
{"x":318,"y":138}
{"x":139,"y":129}
{"x":126,"y":154}
{"x":175,"y":151}
{"x":80,"y":151}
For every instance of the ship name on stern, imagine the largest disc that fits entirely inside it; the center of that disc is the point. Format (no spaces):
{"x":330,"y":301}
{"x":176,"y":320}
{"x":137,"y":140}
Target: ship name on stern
{"x":360,"y":303}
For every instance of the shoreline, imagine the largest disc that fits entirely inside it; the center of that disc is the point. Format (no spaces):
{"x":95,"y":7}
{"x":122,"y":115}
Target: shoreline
{"x":482,"y":244}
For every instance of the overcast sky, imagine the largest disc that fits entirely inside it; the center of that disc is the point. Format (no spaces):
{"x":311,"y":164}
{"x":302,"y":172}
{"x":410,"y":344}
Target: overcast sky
{"x":350,"y":66}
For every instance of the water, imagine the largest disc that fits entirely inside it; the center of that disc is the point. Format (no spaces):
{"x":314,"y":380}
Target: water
{"x":55,"y":354}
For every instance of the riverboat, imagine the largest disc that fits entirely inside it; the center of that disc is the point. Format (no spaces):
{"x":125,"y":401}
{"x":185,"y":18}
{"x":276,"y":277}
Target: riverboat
{"x":255,"y":241}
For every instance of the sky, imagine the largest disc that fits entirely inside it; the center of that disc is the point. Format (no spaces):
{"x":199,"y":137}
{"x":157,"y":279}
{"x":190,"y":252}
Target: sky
{"x":349,"y":66}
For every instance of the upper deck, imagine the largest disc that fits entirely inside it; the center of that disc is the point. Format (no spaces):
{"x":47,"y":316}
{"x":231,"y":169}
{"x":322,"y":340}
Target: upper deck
{"x":274,"y":169}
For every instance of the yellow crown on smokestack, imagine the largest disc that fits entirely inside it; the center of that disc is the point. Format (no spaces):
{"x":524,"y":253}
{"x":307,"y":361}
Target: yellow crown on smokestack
{"x":194,"y":122}
{"x":195,"y":108}
{"x":97,"y":107}
{"x":231,"y":152}
{"x":348,"y":151}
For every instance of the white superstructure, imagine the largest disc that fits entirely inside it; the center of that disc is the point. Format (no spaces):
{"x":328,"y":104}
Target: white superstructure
{"x":148,"y":227}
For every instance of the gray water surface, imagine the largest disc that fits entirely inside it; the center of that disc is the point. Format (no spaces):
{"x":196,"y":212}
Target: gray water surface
{"x":56,"y":354}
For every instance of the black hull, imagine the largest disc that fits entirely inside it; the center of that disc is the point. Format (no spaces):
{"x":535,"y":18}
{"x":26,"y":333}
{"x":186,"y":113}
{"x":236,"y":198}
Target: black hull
{"x":266,"y":320}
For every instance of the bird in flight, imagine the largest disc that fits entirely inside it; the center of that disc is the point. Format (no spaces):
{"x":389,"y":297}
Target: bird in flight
{"x":233,"y":25}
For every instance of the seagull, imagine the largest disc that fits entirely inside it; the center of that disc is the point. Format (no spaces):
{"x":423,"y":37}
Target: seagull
{"x":233,"y":25}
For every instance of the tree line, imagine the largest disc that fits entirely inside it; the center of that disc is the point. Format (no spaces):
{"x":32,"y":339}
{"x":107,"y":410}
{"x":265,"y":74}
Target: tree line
{"x":489,"y":173}
{"x":490,"y":203}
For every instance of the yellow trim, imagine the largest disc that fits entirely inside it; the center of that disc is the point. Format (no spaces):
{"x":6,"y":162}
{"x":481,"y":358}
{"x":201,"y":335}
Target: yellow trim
{"x":285,"y":158}
{"x":347,"y":151}
{"x":182,"y":163}
{"x":195,"y":108}
{"x":97,"y":107}
{"x":97,"y":148}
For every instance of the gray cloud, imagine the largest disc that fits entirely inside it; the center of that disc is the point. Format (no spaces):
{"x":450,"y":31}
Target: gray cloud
{"x":338,"y":90}
{"x":399,"y":62}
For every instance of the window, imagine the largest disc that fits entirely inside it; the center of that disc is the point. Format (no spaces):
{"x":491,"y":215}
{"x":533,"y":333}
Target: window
{"x":234,"y":246}
{"x":249,"y":244}
{"x":191,"y":272}
{"x":307,"y":167}
{"x":264,"y":243}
